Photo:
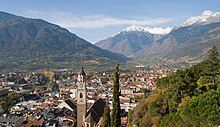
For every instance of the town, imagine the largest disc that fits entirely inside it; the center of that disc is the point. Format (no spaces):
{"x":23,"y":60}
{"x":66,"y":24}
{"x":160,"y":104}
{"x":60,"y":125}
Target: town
{"x":55,"y":97}
{"x":109,"y":63}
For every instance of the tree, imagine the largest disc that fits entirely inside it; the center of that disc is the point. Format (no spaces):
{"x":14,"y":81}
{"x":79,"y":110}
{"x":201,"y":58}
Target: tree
{"x":106,"y":118}
{"x":39,"y":88}
{"x":54,"y":87}
{"x":213,"y":57}
{"x":203,"y":111}
{"x":50,"y":74}
{"x":213,"y":54}
{"x":13,"y":95}
{"x":130,"y":117}
{"x":115,"y":115}
{"x":11,"y":100}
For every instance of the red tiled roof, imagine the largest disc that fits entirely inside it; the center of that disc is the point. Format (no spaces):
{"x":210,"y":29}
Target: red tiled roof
{"x":37,"y":123}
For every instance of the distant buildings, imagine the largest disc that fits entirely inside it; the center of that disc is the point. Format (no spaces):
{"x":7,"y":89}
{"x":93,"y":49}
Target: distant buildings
{"x":13,"y":121}
{"x":4,"y":91}
{"x":78,"y":100}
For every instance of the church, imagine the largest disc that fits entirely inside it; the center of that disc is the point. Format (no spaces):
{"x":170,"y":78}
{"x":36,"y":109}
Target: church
{"x":87,"y":116}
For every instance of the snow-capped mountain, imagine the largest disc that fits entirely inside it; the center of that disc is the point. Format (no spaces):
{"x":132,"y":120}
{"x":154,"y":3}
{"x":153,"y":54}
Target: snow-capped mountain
{"x":154,"y":30}
{"x":128,"y":41}
{"x":206,"y":18}
{"x":192,"y":38}
{"x":133,"y":39}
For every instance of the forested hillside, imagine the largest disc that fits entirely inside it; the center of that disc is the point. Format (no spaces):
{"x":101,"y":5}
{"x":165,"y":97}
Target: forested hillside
{"x":186,"y":98}
{"x":32,"y":44}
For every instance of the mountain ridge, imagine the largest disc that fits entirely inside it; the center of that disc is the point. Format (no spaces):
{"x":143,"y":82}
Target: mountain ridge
{"x":127,"y":42}
{"x":31,"y":38}
{"x":192,"y":39}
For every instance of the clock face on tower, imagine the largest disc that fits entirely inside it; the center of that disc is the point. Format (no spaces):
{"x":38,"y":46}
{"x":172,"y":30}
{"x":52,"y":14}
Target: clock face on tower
{"x":81,"y":85}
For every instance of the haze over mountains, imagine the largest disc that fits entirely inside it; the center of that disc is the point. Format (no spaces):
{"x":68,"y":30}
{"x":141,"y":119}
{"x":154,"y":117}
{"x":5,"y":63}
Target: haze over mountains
{"x":191,"y":38}
{"x":25,"y":41}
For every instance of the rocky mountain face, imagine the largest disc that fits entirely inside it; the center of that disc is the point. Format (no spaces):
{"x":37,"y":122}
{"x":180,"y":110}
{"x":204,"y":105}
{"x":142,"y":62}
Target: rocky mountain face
{"x":27,"y":38}
{"x":193,"y":38}
{"x":132,"y":39}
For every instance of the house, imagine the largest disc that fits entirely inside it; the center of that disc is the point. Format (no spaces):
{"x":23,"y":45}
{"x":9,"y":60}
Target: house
{"x":13,"y":121}
{"x":28,"y":97}
{"x":123,"y":121}
{"x":67,"y":104}
{"x":126,"y":91}
{"x":102,"y":80}
{"x":4,"y":92}
{"x":73,"y":92}
{"x":35,"y":122}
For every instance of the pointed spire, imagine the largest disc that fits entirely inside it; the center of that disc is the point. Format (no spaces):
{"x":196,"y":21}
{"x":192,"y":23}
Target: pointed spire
{"x":82,"y":72}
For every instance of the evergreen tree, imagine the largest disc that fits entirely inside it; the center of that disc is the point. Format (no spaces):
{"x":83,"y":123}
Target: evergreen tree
{"x":115,"y":115}
{"x":106,"y":118}
{"x":213,"y":54}
{"x":213,"y":57}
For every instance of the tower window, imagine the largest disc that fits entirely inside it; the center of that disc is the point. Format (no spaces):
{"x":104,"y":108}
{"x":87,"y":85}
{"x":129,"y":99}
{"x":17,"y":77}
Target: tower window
{"x":80,"y":95}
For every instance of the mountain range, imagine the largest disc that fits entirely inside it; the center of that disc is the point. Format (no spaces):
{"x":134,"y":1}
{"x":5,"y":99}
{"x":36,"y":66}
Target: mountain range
{"x":132,"y":39}
{"x":36,"y":44}
{"x":28,"y":44}
{"x":192,"y":38}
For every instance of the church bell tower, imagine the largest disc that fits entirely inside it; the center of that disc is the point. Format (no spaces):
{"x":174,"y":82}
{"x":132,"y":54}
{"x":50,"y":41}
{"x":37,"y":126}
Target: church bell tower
{"x":81,"y":98}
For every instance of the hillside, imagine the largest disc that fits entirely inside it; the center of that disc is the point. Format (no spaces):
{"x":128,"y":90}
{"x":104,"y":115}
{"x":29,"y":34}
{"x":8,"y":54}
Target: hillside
{"x":193,"y":40}
{"x":186,"y":98}
{"x":36,"y":44}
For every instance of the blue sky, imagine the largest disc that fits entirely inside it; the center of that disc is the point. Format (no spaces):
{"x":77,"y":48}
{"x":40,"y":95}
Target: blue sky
{"x":95,"y":20}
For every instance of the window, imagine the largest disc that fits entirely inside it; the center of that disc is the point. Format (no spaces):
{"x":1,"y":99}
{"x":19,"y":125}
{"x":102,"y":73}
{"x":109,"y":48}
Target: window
{"x":80,"y":95}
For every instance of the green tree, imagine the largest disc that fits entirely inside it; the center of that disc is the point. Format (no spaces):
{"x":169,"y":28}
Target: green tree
{"x":13,"y":95}
{"x":11,"y":100}
{"x":54,"y":87}
{"x":186,"y":98}
{"x":39,"y":88}
{"x":213,"y":54}
{"x":214,"y":66}
{"x":115,"y":115}
{"x":203,"y":110}
{"x":130,"y":117}
{"x":106,"y":118}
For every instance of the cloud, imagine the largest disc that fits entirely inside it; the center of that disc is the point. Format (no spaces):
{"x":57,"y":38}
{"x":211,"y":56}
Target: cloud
{"x":73,"y":21}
